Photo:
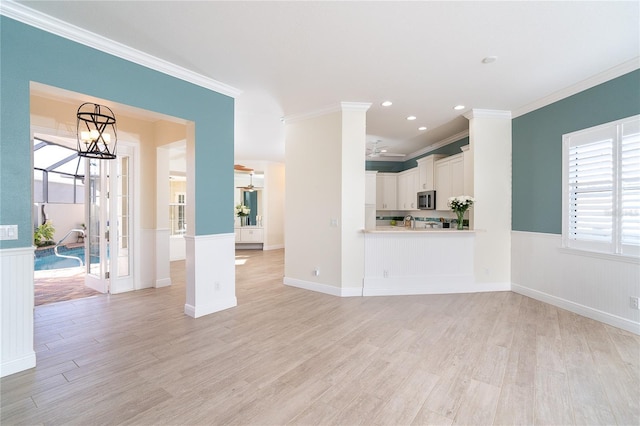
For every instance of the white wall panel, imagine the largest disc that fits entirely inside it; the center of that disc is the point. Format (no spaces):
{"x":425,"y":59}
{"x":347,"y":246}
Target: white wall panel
{"x":595,"y":286}
{"x":16,"y":300}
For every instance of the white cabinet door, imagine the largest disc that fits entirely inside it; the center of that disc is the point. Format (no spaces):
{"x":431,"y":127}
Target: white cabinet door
{"x":386,"y":191}
{"x":449,"y":178}
{"x":426,"y":172}
{"x":251,"y":235}
{"x":457,"y":176}
{"x":402,"y":191}
{"x":443,"y":184}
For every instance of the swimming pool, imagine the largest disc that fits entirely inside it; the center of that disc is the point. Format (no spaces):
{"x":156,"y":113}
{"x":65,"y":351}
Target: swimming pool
{"x":46,"y":259}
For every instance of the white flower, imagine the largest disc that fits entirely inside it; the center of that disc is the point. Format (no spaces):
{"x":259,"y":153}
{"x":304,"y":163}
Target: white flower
{"x":242,"y":210}
{"x":460,"y":203}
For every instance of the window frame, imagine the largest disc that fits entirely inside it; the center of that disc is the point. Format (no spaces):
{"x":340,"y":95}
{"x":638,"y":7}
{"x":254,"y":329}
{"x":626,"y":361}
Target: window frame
{"x":615,"y":248}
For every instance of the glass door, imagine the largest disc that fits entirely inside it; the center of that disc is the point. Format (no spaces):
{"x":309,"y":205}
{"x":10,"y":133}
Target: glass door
{"x":109,"y":217}
{"x":121,"y":203}
{"x":97,"y":233}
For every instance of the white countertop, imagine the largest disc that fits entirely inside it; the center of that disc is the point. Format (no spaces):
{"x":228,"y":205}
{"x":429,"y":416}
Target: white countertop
{"x":403,"y":230}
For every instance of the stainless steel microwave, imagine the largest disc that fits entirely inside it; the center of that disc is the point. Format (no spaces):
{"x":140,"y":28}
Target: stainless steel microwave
{"x":427,"y":200}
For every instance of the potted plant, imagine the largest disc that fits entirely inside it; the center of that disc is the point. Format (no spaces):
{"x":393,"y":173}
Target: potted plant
{"x":43,"y":235}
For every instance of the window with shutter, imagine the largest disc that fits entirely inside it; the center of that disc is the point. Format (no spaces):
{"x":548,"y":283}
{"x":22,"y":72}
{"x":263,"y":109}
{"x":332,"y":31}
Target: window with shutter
{"x":601,"y":198}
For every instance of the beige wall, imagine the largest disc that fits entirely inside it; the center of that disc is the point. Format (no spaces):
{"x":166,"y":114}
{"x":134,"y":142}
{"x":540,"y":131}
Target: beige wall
{"x":325,"y":183}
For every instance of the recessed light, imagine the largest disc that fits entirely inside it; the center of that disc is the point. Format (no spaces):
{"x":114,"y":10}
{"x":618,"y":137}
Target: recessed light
{"x":411,"y":117}
{"x":422,"y":128}
{"x":458,"y":107}
{"x":387,"y":103}
{"x":489,"y":59}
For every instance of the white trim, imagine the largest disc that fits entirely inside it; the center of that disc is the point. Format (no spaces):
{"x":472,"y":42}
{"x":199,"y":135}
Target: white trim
{"x":19,"y":364}
{"x":403,"y":286}
{"x":538,"y":234}
{"x":487,"y":113}
{"x":595,"y":314}
{"x":323,"y":288}
{"x":433,"y":147}
{"x":164,"y":282}
{"x":355,"y":106}
{"x":71,"y":32}
{"x":603,"y":77}
{"x":598,"y":255}
{"x":211,"y":237}
{"x":202,"y":310}
{"x":273,"y":247}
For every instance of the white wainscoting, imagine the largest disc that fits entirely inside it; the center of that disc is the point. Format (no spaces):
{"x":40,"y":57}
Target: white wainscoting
{"x":211,"y":274}
{"x":16,"y":301}
{"x":422,"y":262}
{"x":162,"y":260}
{"x":177,"y":248}
{"x":589,"y":285}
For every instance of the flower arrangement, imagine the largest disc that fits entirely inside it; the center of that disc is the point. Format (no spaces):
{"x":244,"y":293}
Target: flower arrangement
{"x":460,"y":205}
{"x":242,"y":210}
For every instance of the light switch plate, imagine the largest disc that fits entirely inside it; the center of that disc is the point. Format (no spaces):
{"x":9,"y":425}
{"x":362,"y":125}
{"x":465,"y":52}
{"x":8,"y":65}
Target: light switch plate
{"x":8,"y":232}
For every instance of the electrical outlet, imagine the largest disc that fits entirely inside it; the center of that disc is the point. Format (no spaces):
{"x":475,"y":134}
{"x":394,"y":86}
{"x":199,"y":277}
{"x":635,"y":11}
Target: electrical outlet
{"x":385,"y":273}
{"x":216,"y":286}
{"x":316,"y":272}
{"x":634,"y":302}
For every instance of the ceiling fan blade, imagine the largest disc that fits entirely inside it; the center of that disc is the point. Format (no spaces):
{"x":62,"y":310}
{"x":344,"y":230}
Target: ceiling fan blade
{"x":241,"y":168}
{"x":392,"y":154}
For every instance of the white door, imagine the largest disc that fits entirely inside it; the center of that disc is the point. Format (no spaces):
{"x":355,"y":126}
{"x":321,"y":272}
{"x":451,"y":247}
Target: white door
{"x":108,"y":213}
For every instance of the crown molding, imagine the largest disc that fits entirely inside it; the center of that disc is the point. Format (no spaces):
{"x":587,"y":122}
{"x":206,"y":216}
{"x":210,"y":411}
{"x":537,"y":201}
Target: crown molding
{"x":355,"y":106}
{"x":439,"y":144}
{"x":603,"y":77}
{"x":487,"y":113}
{"x":71,"y":32}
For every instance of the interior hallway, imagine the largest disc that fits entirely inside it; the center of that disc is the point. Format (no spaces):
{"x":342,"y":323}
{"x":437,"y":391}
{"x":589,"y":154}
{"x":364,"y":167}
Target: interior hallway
{"x":287,"y":355}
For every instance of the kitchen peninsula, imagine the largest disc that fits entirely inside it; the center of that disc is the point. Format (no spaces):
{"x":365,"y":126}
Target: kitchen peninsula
{"x":402,"y":261}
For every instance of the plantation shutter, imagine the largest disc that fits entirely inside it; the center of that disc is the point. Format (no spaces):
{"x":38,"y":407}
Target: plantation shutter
{"x":591,"y":188}
{"x":601,"y":170}
{"x":630,"y":185}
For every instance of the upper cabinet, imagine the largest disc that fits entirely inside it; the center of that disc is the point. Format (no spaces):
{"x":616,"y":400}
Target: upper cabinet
{"x":426,"y":172}
{"x":408,"y":190}
{"x":386,"y":191}
{"x":449,"y":179}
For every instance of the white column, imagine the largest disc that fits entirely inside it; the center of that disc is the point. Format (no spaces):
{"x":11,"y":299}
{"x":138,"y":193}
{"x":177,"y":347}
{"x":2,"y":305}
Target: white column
{"x":490,"y":146}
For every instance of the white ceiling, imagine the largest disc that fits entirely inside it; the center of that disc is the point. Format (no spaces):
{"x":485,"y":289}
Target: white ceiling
{"x":291,"y":58}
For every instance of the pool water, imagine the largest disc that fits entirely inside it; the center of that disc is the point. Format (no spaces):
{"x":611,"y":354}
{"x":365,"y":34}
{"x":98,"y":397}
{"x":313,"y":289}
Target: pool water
{"x":48,"y":260}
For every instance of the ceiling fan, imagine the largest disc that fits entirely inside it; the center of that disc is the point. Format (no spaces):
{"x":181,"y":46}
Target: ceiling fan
{"x":250,"y":187}
{"x":241,"y":168}
{"x":381,"y":151}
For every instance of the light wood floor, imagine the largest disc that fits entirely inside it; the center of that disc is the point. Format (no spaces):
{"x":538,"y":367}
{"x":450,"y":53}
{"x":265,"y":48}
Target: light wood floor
{"x":290,"y":356}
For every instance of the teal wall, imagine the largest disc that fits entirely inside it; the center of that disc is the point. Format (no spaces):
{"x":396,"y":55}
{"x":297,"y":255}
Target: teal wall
{"x":537,"y":148}
{"x":29,"y":54}
{"x":397,"y":166}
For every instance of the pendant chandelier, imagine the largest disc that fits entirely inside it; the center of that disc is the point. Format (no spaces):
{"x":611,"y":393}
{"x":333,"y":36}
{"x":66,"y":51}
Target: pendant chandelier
{"x":96,"y":131}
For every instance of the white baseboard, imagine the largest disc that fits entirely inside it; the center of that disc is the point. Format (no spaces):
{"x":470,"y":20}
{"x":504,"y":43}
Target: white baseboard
{"x":201,"y":310}
{"x":19,"y":364}
{"x":585,"y":311}
{"x":413,"y":285}
{"x":273,"y":247}
{"x":164,"y":282}
{"x":323,"y":288}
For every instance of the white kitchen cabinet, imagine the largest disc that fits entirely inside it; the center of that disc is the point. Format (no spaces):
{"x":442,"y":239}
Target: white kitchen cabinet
{"x":249,"y":234}
{"x":449,"y":179}
{"x":426,"y":172}
{"x":386,"y":191}
{"x":408,"y":189}
{"x":370,"y":187}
